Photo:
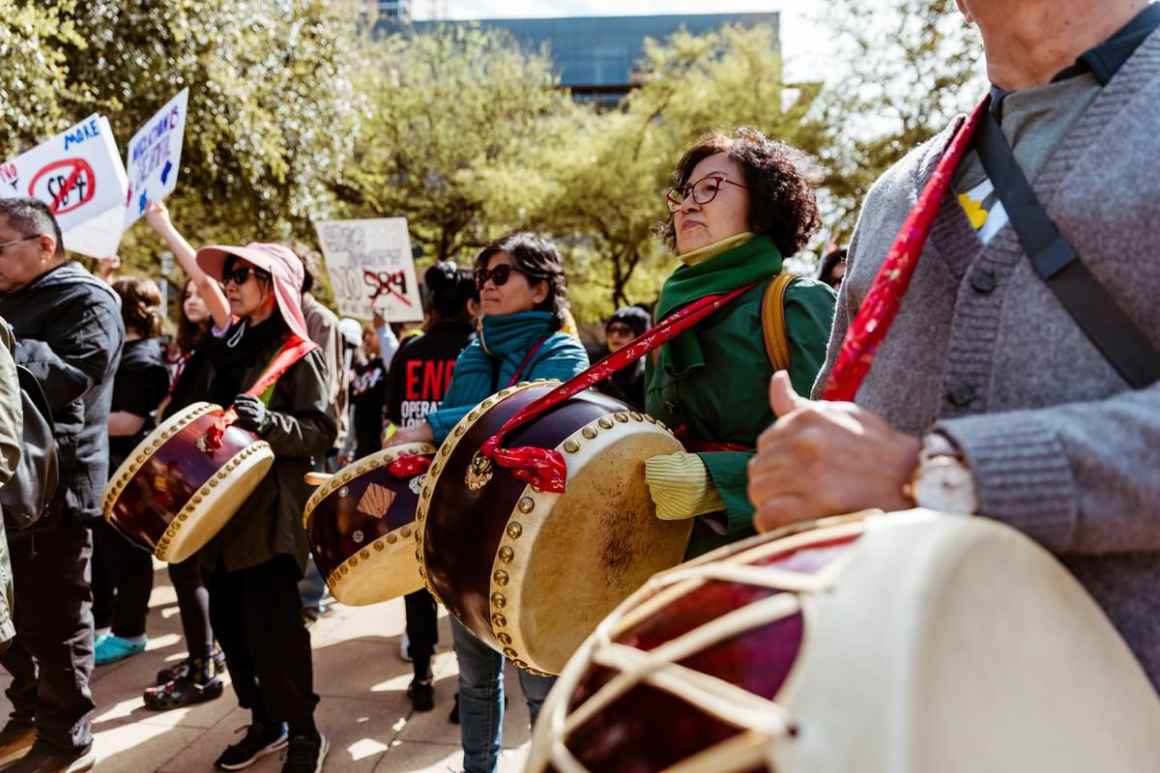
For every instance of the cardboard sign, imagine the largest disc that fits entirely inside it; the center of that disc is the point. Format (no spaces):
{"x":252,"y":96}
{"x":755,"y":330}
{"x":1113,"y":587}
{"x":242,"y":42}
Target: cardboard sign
{"x":370,"y":267}
{"x":79,"y":174}
{"x":153,"y":158}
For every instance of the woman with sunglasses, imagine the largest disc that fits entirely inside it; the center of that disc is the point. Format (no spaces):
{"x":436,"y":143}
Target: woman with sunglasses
{"x":253,"y":565}
{"x":523,"y":300}
{"x":740,"y":207}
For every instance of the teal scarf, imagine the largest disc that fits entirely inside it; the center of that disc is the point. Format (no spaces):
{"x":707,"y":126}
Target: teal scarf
{"x":753,"y":261}
{"x":507,"y":334}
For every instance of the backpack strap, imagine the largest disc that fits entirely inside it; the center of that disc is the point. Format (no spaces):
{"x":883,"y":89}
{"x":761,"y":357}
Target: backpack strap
{"x":773,"y":326}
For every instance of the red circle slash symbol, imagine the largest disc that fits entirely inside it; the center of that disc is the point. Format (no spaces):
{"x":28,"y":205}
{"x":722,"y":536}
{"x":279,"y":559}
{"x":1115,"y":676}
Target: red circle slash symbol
{"x":66,"y":184}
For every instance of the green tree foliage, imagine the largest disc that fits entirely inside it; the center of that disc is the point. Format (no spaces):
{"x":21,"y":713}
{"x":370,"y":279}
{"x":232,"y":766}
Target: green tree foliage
{"x":611,"y":179}
{"x":902,"y":70}
{"x":454,"y":117}
{"x":272,"y":107}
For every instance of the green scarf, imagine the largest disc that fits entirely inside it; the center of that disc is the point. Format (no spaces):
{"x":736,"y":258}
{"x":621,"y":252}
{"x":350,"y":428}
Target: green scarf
{"x":753,"y":261}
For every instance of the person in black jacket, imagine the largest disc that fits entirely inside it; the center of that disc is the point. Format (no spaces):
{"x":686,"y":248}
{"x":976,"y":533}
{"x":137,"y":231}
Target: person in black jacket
{"x":419,"y":376}
{"x":254,"y":563}
{"x":122,"y":570}
{"x":69,"y":335}
{"x":626,"y":385}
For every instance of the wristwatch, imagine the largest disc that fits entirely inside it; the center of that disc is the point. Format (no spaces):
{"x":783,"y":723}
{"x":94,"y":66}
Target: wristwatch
{"x":942,"y":480}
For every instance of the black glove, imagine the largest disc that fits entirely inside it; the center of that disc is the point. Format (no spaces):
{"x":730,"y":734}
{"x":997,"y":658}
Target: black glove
{"x":252,"y":414}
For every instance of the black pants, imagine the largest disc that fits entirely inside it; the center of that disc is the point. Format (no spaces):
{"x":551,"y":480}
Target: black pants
{"x":193,"y":602}
{"x":122,"y":582}
{"x":422,"y":630}
{"x":51,"y":658}
{"x":257,"y":616}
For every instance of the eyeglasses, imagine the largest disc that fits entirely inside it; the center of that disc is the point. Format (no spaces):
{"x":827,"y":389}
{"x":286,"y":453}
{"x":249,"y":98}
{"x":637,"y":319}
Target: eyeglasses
{"x":6,"y":245}
{"x":498,"y":275}
{"x":703,"y":191}
{"x":618,"y":329}
{"x":241,"y":275}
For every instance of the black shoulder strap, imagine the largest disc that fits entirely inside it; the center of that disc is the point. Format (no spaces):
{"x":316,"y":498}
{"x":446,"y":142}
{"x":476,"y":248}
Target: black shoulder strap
{"x":1087,"y":301}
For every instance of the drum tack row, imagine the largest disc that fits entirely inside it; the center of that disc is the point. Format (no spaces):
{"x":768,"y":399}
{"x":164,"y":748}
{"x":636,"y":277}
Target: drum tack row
{"x":908,"y":642}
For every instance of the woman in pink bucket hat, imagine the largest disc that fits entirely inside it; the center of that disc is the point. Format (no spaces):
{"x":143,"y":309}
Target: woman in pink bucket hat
{"x":253,"y":565}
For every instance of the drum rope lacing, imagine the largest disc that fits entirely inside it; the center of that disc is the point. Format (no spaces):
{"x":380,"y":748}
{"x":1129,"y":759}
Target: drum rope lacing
{"x":761,"y":720}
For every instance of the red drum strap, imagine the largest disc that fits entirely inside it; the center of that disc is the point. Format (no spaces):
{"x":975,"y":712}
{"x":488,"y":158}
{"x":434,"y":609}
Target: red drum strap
{"x":878,"y":310}
{"x":544,"y":469}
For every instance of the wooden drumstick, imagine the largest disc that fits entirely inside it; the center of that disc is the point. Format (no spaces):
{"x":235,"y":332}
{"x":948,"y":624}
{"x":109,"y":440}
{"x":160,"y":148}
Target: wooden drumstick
{"x":316,"y":478}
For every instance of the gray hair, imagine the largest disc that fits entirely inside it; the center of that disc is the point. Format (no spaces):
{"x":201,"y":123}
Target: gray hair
{"x":32,"y":217}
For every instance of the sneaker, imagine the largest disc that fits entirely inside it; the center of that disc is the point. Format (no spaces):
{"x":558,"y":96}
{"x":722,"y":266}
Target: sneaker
{"x":43,"y":758}
{"x":453,"y":717}
{"x":16,"y":740}
{"x":422,"y":695}
{"x":258,"y":741}
{"x":306,"y":753}
{"x":113,"y":648}
{"x":185,"y":669}
{"x":405,"y":647}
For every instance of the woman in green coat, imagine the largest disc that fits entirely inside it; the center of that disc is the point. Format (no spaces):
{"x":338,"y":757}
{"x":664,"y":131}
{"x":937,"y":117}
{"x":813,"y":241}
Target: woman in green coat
{"x":740,"y":206}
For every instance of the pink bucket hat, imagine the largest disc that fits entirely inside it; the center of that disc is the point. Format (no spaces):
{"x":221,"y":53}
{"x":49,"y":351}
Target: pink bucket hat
{"x":279,"y":262}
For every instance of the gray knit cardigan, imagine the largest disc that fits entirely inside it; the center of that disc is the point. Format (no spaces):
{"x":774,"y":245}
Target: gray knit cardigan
{"x":1060,"y":448}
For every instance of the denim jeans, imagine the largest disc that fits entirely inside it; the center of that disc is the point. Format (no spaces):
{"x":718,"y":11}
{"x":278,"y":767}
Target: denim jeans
{"x":481,"y":699}
{"x":312,"y":589}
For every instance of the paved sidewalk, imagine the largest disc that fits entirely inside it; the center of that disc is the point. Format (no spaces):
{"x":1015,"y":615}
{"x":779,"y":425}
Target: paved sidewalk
{"x":357,"y":673}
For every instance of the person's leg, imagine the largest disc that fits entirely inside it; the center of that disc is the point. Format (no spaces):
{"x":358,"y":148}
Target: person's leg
{"x":422,"y":630}
{"x":312,"y":591}
{"x":228,"y":612}
{"x":17,"y":659}
{"x":193,"y":603}
{"x":536,"y":689}
{"x":280,"y":644}
{"x":53,"y":590}
{"x":480,"y":700}
{"x":134,"y":581}
{"x":104,"y":586}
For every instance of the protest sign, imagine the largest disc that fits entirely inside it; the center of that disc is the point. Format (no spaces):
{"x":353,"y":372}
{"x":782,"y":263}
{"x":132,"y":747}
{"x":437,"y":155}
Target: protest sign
{"x":79,"y":174}
{"x":153,"y":159}
{"x":371,"y":267}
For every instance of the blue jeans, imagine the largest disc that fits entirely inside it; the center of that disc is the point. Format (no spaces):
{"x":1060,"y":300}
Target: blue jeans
{"x":312,"y":589}
{"x":481,"y":699}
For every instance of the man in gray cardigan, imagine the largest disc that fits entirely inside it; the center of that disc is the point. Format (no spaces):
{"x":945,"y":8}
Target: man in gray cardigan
{"x":986,"y":396}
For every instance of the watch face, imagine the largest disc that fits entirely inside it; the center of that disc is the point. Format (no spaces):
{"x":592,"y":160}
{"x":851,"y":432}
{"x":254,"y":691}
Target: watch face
{"x":944,"y":483}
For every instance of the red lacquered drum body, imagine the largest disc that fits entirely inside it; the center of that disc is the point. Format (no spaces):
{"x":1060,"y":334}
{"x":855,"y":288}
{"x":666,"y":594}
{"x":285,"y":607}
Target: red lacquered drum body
{"x":904,"y":643}
{"x":176,"y":491}
{"x":532,"y":573}
{"x":360,"y":525}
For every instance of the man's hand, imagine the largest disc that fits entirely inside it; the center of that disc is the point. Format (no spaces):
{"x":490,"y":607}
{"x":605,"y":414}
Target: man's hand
{"x":420,"y":433}
{"x":822,"y":459}
{"x":252,"y":414}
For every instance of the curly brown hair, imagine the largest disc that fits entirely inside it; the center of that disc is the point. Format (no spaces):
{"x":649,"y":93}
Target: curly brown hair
{"x":140,"y":305}
{"x":782,"y":202}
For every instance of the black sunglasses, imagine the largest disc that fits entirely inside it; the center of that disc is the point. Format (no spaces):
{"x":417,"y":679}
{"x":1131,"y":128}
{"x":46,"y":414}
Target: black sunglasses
{"x":241,"y":275}
{"x":498,"y":275}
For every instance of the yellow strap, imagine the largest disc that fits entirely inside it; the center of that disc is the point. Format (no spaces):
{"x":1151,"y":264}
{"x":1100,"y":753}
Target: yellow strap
{"x":773,"y":321}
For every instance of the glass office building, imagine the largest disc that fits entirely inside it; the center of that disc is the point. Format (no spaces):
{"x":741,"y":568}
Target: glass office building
{"x":595,"y":56}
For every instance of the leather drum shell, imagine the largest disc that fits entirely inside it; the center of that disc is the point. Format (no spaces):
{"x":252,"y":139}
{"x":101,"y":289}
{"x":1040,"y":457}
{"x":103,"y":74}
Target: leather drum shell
{"x":172,"y":495}
{"x":359,"y":524}
{"x":529,"y":573}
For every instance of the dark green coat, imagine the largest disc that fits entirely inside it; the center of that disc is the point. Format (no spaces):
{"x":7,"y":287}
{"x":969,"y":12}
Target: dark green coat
{"x":269,"y":523}
{"x":726,"y":400}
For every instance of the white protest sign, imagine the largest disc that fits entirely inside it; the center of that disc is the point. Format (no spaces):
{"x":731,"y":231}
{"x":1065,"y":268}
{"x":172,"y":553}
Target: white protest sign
{"x":79,"y":174}
{"x":371,"y":267}
{"x":153,"y":158}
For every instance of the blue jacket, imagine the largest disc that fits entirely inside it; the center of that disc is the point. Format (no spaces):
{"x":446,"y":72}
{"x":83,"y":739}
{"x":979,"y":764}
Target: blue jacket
{"x":492,"y":359}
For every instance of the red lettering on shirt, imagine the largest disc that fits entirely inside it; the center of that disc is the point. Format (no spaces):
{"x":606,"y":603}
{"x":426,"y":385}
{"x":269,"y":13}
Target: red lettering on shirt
{"x":413,"y":379}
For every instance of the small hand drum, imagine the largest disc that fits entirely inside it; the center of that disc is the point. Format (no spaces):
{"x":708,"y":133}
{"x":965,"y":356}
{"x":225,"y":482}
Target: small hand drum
{"x":359,"y":524}
{"x":904,"y":643}
{"x":179,"y":487}
{"x":531,"y":573}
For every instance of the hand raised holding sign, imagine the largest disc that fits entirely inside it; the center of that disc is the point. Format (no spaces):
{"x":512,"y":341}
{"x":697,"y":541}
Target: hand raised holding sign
{"x":825,"y":458}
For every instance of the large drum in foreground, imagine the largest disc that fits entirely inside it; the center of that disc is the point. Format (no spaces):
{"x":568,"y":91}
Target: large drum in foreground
{"x":531,"y":573}
{"x":360,"y":525}
{"x":179,"y":488}
{"x":906,"y":643}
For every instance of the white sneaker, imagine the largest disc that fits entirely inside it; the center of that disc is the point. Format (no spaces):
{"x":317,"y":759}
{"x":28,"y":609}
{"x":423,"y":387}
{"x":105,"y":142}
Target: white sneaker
{"x":404,"y":645}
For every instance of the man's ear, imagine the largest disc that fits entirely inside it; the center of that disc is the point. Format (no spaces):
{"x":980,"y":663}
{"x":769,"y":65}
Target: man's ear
{"x":48,"y":247}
